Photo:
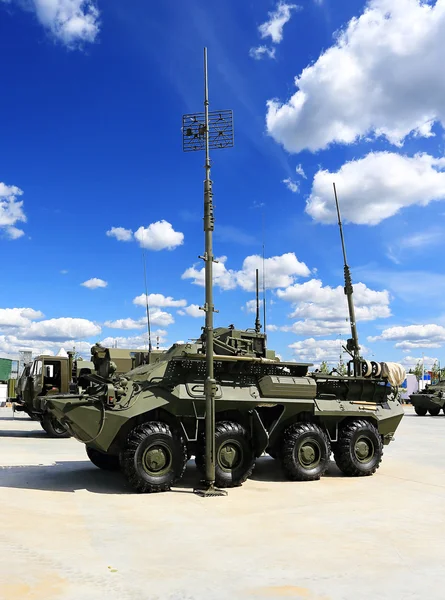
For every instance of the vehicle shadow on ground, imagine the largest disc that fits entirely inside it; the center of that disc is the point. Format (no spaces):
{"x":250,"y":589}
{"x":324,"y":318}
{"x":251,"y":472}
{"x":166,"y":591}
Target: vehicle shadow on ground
{"x":71,"y":476}
{"x":19,"y":433}
{"x":268,"y":469}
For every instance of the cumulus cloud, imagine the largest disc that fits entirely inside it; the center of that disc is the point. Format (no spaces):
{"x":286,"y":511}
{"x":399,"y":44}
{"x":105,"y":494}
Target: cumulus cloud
{"x":192,"y":311}
{"x":291,"y":185}
{"x":312,"y":350}
{"x":137,"y":342}
{"x":410,"y":362}
{"x":387,"y":61}
{"x":18,"y":317}
{"x":120,"y":233}
{"x":159,"y":236}
{"x":250,"y":307}
{"x":323,"y":309}
{"x":157,"y":317}
{"x":384,"y":183}
{"x":10,"y":345}
{"x":94,"y":283}
{"x":63,"y":328}
{"x":11,"y":210}
{"x":413,"y":336}
{"x":158,"y":300}
{"x":72,"y":22}
{"x":280,"y":271}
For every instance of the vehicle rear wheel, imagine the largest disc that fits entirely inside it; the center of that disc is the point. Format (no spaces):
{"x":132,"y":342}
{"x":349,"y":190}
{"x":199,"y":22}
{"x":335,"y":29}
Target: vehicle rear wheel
{"x":107,"y":462}
{"x":434,"y":411}
{"x":420,"y":411}
{"x":154,"y":457}
{"x":53,"y":427}
{"x":234,"y":455}
{"x":359,"y":449}
{"x":305,"y":452}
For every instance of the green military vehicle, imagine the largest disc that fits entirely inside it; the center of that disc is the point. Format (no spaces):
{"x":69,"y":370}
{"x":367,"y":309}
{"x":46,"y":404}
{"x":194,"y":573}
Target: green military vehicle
{"x":49,"y":375}
{"x":431,"y":399}
{"x":151,"y":420}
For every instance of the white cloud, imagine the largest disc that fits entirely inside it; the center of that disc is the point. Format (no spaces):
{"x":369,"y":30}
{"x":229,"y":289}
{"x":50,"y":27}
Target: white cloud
{"x":300,"y":171}
{"x":413,"y":336}
{"x":261,"y":51}
{"x":194,"y":311}
{"x":385,"y":182}
{"x":157,"y":317}
{"x":273,"y":28}
{"x":137,"y":342}
{"x":291,"y":185}
{"x":250,"y":307}
{"x":312,"y":350}
{"x":18,"y":317}
{"x":94,"y":283}
{"x":10,"y":345}
{"x":318,"y":326}
{"x":70,"y":21}
{"x":63,"y":328}
{"x":159,"y":236}
{"x":280,"y":271}
{"x":11,"y":210}
{"x":158,"y":300}
{"x":410,"y":361}
{"x":386,"y":61}
{"x":120,"y":233}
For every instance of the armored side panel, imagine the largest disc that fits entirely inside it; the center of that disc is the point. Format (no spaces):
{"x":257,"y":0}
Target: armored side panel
{"x":272,"y":386}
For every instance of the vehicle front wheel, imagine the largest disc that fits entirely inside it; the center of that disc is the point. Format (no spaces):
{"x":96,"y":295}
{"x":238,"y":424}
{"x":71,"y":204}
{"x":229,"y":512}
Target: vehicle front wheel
{"x":154,"y":457}
{"x":359,"y":449}
{"x":420,"y":411}
{"x":305,"y":452}
{"x":53,"y":427}
{"x":107,"y":462}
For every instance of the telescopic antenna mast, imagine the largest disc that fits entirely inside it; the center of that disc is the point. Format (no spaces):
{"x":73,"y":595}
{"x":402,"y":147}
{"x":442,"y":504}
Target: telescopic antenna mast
{"x":257,"y":298}
{"x":352,"y":344}
{"x":146,"y":302}
{"x":205,"y":131}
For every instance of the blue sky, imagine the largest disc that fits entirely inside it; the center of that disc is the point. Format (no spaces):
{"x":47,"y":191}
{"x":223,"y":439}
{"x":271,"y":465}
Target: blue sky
{"x":93,"y":96}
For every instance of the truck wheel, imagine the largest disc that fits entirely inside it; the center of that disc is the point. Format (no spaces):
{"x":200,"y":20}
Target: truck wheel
{"x":234,"y":456}
{"x":420,"y":411}
{"x":305,"y":452}
{"x":107,"y":462}
{"x":53,"y":427}
{"x":434,"y":411}
{"x":359,"y":449}
{"x":154,"y":458}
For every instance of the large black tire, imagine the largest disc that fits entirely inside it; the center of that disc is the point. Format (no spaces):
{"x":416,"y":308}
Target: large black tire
{"x":420,"y":411}
{"x":107,"y":462}
{"x":434,"y":411}
{"x":234,"y":455}
{"x":154,"y":457}
{"x":305,"y":452}
{"x":53,"y":427}
{"x":359,"y":449}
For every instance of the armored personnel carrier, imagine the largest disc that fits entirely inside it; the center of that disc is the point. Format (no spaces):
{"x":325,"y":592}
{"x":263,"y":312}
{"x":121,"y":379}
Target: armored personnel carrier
{"x":431,"y":399}
{"x":150,"y":421}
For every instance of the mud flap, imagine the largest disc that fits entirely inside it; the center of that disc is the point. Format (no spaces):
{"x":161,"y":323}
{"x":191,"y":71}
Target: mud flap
{"x":260,"y":437}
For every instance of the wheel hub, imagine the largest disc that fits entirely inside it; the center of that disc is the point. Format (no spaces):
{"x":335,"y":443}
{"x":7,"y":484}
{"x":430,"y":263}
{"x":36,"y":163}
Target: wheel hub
{"x":309,"y":454}
{"x":156,"y":459}
{"x":229,"y":456}
{"x":364,"y":449}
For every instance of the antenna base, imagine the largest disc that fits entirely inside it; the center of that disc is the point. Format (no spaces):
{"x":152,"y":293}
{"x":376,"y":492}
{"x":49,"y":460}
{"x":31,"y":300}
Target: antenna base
{"x":208,"y":490}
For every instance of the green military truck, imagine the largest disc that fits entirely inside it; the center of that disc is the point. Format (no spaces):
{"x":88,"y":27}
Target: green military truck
{"x":49,"y":375}
{"x":431,"y":399}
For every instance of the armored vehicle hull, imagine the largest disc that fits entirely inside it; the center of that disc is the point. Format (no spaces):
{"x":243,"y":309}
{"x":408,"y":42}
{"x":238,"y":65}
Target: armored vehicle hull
{"x":150,"y":422}
{"x":431,"y":400}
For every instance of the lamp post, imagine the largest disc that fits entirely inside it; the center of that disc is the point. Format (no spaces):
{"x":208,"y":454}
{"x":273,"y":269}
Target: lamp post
{"x":206,"y":131}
